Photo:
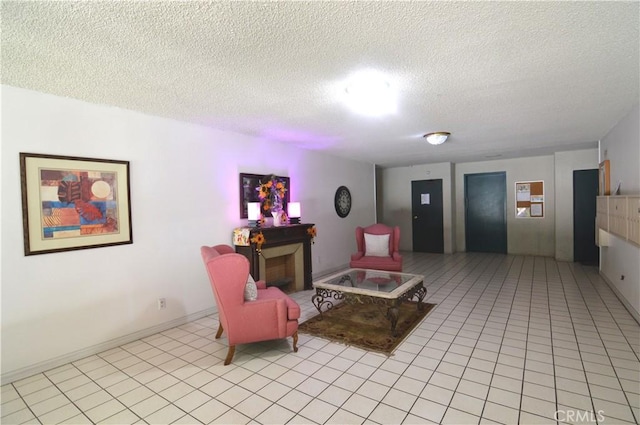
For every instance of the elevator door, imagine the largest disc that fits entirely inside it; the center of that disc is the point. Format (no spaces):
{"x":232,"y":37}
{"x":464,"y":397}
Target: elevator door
{"x":486,"y":212}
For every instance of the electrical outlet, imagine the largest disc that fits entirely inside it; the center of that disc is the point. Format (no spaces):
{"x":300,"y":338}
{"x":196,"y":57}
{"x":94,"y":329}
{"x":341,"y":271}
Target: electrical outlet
{"x":162,"y":303}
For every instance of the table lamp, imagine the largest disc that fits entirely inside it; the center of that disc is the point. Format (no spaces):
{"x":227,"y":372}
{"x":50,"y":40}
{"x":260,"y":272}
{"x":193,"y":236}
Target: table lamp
{"x":253,"y":213}
{"x":293,"y":210}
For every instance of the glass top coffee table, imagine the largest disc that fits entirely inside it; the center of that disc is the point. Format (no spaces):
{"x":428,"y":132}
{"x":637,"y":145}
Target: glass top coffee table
{"x":363,"y":286}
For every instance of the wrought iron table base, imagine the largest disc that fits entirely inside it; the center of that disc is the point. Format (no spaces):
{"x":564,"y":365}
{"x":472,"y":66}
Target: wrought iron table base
{"x":327,"y":298}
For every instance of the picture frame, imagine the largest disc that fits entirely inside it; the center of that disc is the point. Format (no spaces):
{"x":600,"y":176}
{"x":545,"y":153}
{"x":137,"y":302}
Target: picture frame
{"x":71,"y":203}
{"x":604,"y":179}
{"x":249,"y":184}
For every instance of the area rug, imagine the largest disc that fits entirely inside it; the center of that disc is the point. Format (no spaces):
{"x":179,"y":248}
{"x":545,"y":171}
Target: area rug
{"x":365,"y":325}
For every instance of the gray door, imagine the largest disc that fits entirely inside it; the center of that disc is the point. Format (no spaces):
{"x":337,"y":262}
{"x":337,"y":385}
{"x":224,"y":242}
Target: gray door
{"x":426,"y":207}
{"x":485,"y":196}
{"x":585,"y":190}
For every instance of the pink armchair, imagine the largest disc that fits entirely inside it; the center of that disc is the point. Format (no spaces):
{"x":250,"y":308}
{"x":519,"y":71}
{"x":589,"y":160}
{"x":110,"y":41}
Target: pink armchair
{"x":379,"y":254}
{"x":272,"y":316}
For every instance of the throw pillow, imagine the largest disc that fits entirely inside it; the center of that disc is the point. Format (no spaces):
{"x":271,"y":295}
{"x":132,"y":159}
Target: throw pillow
{"x":250,"y":289}
{"x":376,"y":245}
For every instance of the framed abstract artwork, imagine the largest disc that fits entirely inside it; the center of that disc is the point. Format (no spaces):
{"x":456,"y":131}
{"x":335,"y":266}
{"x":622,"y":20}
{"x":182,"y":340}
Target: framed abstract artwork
{"x":249,"y":184}
{"x":71,"y":203}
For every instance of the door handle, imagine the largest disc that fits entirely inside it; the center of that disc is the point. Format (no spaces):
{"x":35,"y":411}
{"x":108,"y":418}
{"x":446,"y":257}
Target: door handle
{"x":415,"y":217}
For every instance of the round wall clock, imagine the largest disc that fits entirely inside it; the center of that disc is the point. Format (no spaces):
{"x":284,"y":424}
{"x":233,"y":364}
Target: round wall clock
{"x":342,"y":201}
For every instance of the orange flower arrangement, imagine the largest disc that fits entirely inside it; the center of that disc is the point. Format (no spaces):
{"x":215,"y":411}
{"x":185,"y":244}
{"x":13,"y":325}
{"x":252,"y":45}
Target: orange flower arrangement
{"x":311,"y":231}
{"x":271,"y":193}
{"x":258,"y":239}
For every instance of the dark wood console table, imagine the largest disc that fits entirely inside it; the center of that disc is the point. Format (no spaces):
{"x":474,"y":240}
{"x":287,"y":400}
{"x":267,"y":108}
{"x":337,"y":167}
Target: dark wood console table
{"x":279,"y":236}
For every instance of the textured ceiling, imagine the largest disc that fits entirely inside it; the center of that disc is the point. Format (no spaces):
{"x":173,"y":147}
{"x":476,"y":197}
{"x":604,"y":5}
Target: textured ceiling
{"x":505,"y":78}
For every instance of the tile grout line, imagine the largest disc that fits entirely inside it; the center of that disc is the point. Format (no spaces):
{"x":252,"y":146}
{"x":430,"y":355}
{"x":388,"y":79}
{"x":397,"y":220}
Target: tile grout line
{"x":24,"y":401}
{"x":465,"y":285}
{"x":574,"y":282}
{"x":487,"y":285}
{"x":461,"y":264}
{"x":597,"y":330}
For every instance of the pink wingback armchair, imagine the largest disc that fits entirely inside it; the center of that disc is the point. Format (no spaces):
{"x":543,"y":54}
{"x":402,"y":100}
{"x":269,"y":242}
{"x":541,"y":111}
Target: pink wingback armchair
{"x":390,"y":260}
{"x":273,"y":315}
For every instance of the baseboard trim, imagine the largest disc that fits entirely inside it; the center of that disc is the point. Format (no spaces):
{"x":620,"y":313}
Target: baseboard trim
{"x":622,"y":299}
{"x":46,"y":365}
{"x":316,"y":276}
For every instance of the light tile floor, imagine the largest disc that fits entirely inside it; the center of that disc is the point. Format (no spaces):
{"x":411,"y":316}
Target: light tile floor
{"x":513,"y":339}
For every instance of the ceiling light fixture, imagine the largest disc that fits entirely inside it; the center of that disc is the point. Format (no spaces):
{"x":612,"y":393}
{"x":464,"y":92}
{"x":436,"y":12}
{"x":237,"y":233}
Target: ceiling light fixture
{"x":437,"y":137}
{"x":369,"y":93}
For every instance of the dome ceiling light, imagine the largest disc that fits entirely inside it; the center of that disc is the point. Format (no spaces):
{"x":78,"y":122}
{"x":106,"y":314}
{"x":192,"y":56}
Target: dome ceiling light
{"x":437,"y":137}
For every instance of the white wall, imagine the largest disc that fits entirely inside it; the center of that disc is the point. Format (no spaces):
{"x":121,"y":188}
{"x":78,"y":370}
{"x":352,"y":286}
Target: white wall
{"x":529,"y":236}
{"x":565,"y":164}
{"x":622,"y":147}
{"x":551,"y":236}
{"x":396,"y":199}
{"x":184,"y":194}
